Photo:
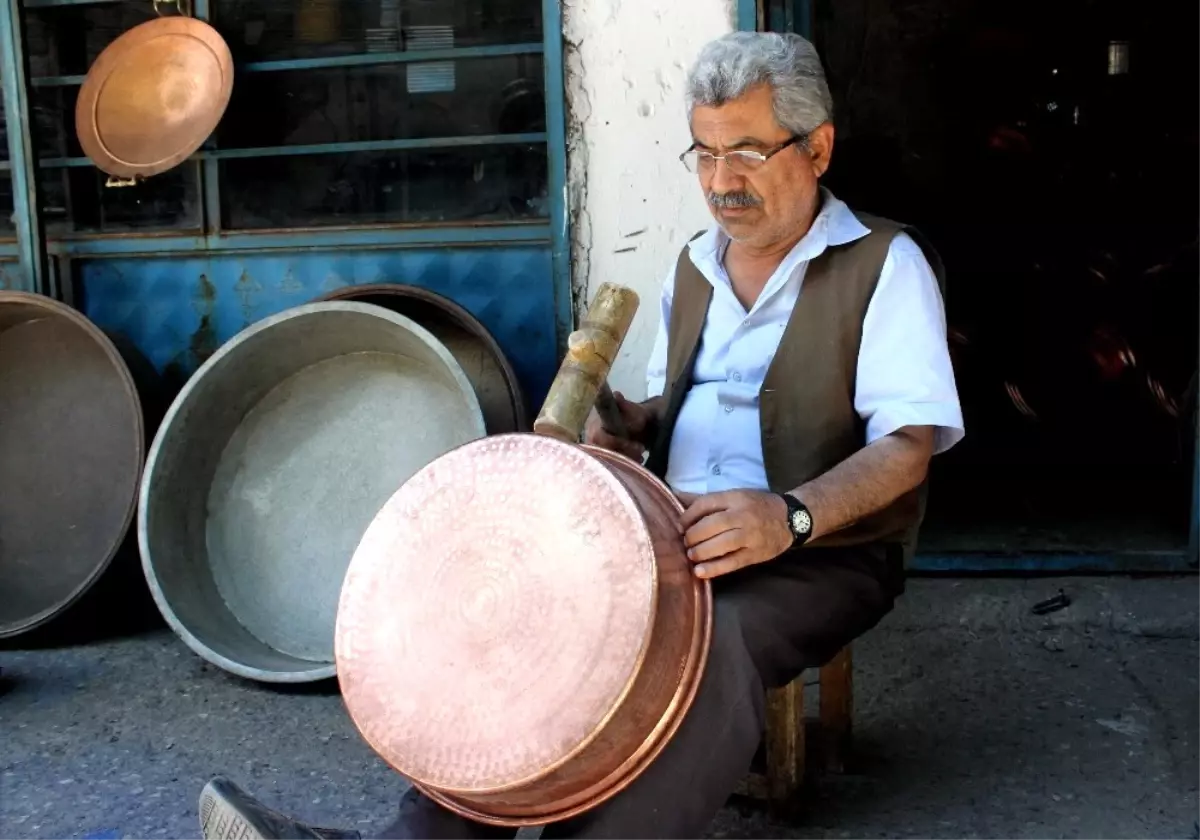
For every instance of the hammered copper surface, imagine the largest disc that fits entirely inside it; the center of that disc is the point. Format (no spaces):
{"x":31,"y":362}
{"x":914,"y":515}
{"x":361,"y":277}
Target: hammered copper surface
{"x":664,"y":684}
{"x":496,"y":614}
{"x":153,"y":96}
{"x":473,"y":347}
{"x":71,"y":448}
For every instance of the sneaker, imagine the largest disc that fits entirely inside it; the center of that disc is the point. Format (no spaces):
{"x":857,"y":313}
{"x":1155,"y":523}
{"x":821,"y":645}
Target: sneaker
{"x":229,"y":813}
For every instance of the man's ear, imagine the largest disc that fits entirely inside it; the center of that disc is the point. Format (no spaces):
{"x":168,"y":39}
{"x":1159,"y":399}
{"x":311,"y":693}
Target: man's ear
{"x":820,"y":147}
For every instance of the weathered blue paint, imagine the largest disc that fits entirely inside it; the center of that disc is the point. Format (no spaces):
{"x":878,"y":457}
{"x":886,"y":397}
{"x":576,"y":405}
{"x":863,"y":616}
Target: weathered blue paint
{"x":43,"y":4}
{"x":26,"y":208}
{"x":1132,"y":562}
{"x":11,"y":275}
{"x":556,"y":130}
{"x":530,"y":138}
{"x":747,"y":15}
{"x":371,"y":59}
{"x":324,"y":62}
{"x":179,"y":310}
{"x":314,"y":239}
{"x":54,"y":163}
{"x":210,"y":169}
{"x":790,"y":16}
{"x":802,"y":18}
{"x":56,"y":81}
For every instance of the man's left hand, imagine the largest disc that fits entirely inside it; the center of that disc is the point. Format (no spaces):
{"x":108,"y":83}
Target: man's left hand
{"x":728,"y":531}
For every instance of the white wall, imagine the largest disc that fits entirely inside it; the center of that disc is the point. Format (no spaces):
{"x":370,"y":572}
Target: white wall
{"x":632,"y":204}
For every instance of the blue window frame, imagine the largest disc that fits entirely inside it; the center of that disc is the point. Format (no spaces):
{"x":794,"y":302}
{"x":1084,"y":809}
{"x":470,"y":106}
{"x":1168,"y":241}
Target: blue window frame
{"x":211,"y":229}
{"x":511,"y":268}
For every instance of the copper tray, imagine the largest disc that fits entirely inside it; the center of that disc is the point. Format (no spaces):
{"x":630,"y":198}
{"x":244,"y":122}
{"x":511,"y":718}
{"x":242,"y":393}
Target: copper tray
{"x":519,"y":632}
{"x":154,"y":96}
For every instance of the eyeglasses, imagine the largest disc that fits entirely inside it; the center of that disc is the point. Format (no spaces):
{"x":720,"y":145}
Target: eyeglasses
{"x":741,"y":162}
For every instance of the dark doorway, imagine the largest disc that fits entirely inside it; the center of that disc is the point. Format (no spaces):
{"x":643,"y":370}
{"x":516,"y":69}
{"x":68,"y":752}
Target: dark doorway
{"x":1050,"y":152}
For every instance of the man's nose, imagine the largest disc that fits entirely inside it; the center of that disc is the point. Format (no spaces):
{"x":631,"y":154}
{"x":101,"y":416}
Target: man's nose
{"x":724,"y":180}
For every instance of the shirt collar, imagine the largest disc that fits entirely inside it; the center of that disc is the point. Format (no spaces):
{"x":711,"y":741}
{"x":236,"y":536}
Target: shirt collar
{"x":835,"y":225}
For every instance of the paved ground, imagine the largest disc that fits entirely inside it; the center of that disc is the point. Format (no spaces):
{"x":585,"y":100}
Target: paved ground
{"x":974,"y":719}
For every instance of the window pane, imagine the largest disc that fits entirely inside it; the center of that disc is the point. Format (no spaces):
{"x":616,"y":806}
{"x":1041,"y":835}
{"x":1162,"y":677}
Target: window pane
{"x":65,"y":40}
{"x":53,"y":111}
{"x":502,"y":183}
{"x":274,"y":29}
{"x":75,"y":199}
{"x":338,"y":105}
{"x":3,"y":132}
{"x":7,"y":224}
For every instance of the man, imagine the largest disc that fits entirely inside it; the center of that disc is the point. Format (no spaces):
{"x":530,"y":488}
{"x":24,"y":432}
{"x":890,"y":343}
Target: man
{"x":799,"y":386}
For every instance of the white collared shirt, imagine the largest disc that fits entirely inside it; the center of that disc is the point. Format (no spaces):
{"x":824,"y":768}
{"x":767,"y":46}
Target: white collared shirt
{"x":904,"y":376}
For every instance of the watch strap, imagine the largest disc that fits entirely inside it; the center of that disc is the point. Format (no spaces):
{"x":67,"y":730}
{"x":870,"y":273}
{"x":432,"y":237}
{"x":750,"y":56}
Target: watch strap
{"x":795,"y":506}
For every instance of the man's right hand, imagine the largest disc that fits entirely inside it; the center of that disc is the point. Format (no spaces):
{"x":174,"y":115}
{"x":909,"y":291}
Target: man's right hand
{"x":638,"y":419}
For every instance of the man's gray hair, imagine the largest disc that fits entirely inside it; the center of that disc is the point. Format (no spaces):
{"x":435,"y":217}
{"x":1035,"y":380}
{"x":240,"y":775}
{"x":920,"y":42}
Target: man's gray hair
{"x":733,"y":64}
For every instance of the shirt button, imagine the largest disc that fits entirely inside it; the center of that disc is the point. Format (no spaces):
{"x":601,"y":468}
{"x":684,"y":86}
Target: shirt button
{"x":728,"y":408}
{"x":716,"y":470}
{"x":737,"y":377}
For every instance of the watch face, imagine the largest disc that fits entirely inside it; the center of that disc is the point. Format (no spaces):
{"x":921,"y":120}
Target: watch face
{"x":801,"y":522}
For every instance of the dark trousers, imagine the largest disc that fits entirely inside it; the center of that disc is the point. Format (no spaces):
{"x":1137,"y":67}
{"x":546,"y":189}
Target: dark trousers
{"x":771,"y":622}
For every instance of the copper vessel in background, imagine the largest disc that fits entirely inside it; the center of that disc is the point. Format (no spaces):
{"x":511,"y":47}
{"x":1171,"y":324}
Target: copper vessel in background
{"x":520,"y":632}
{"x":153,"y":96}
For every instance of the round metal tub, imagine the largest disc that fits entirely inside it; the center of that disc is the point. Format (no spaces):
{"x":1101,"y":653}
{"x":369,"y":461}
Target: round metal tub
{"x":271,"y":463}
{"x":71,"y":447}
{"x":473,"y":347}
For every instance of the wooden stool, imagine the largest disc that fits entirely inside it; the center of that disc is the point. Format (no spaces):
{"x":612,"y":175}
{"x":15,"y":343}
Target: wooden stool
{"x":785,"y":753}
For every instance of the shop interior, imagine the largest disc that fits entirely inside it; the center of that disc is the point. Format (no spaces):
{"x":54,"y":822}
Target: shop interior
{"x":1049,"y":151}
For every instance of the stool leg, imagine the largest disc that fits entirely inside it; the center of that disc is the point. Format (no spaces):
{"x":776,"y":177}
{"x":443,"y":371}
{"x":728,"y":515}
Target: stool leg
{"x":837,"y":702}
{"x":785,"y":745}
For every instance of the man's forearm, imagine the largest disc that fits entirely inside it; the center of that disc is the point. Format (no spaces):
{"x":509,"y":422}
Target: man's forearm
{"x":868,"y":481}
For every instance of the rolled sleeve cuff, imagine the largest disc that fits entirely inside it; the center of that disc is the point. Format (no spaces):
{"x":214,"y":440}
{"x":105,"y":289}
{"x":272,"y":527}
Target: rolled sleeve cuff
{"x":945,"y":417}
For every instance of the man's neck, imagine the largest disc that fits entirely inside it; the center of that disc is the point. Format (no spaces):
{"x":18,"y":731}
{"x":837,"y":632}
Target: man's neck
{"x":750,"y":267}
{"x":762,"y":257}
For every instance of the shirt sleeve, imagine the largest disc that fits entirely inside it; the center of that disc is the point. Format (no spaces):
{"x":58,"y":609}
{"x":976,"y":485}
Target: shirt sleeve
{"x":656,"y":367}
{"x":905,"y":377}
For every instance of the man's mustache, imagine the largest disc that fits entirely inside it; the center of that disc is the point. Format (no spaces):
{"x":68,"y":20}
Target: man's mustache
{"x":733,"y":199}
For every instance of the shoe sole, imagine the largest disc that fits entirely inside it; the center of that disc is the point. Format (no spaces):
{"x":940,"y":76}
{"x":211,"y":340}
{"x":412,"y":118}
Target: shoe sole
{"x":221,"y":820}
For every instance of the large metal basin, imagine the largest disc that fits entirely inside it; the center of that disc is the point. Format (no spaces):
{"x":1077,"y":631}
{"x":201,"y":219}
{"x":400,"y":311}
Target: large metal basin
{"x":271,"y":463}
{"x":71,"y":447}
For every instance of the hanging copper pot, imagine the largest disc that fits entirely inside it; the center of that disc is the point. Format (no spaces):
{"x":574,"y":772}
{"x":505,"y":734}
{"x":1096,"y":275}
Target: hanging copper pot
{"x":520,"y":632}
{"x":153,"y":96}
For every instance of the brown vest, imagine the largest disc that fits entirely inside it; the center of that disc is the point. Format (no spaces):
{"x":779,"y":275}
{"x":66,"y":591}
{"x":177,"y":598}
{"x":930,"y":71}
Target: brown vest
{"x":806,"y":404}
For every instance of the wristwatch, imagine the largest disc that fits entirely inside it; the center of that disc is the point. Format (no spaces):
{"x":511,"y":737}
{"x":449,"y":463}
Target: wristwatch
{"x":799,"y":520}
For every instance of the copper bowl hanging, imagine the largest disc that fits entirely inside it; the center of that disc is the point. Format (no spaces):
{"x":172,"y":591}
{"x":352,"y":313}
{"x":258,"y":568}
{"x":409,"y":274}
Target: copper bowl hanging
{"x":520,"y":632}
{"x":153,"y":96}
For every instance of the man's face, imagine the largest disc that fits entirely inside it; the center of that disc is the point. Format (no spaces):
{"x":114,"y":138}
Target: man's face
{"x":773,"y":204}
